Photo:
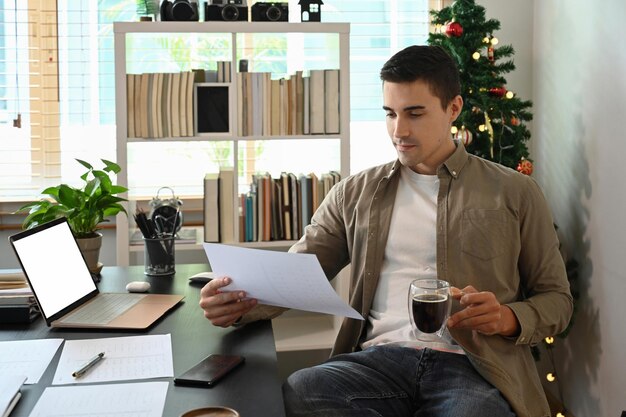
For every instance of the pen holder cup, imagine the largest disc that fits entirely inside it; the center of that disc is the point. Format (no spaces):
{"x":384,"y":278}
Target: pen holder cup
{"x":159,"y":256}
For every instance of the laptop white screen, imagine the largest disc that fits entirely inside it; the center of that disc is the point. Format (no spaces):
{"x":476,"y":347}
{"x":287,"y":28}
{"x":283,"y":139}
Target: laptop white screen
{"x":55,"y":267}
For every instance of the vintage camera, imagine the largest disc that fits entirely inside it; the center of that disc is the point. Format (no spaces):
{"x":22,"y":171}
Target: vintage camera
{"x":226,"y":10}
{"x":179,"y":10}
{"x":270,"y":12}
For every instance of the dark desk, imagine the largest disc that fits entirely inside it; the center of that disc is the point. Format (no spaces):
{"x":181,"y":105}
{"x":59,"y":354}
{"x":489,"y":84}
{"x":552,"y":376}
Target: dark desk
{"x":253,"y":389}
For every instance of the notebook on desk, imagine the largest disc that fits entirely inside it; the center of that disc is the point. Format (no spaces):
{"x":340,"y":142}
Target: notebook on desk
{"x":65,"y":291}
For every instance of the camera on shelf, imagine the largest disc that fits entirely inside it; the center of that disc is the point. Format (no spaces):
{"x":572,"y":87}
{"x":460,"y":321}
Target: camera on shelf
{"x":179,"y":10}
{"x":226,"y":10}
{"x":270,"y":12}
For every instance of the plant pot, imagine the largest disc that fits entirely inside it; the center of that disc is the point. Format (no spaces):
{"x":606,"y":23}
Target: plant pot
{"x":90,"y":248}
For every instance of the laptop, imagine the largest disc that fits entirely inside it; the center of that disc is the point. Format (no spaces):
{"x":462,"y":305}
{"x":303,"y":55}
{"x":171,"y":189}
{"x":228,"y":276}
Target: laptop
{"x":65,"y":291}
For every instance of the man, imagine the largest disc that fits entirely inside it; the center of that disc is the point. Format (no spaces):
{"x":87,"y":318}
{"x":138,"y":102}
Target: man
{"x":435,"y":212}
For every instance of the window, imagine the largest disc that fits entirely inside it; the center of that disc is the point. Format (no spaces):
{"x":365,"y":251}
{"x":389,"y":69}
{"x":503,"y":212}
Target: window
{"x":57,"y":72}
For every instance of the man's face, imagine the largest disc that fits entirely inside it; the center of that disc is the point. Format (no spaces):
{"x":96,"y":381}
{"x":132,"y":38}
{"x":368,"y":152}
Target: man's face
{"x":417,"y":125}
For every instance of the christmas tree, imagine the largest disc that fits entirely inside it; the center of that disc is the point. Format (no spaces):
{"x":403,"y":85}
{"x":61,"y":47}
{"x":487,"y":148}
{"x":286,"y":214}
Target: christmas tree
{"x":491,"y":124}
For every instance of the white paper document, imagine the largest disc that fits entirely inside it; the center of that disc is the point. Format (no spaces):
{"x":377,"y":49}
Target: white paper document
{"x":9,"y":392}
{"x":27,"y":357}
{"x":125,"y":358}
{"x":293,"y":280}
{"x":143,"y":399}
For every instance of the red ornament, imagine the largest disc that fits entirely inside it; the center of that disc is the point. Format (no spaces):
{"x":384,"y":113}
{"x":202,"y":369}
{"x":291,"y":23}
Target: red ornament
{"x":464,"y":136}
{"x":453,"y":29}
{"x":497,"y":91}
{"x":525,"y":167}
{"x":490,"y":55}
{"x":515,"y":121}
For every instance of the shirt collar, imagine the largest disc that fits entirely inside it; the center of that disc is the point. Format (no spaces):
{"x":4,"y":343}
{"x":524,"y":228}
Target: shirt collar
{"x":455,"y":163}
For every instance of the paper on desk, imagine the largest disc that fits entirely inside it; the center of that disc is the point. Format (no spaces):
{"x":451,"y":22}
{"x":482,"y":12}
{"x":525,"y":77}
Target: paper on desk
{"x":125,"y":358}
{"x":9,"y":392}
{"x":293,"y":280}
{"x":143,"y":399}
{"x":27,"y":357}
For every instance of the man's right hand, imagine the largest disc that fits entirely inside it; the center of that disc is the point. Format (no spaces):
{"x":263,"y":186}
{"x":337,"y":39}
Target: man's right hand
{"x":224,"y":308}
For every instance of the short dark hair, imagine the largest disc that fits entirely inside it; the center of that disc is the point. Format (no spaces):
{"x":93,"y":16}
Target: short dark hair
{"x":431,"y":64}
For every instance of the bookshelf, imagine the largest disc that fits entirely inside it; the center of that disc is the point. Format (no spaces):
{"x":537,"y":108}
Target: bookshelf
{"x":235,"y":41}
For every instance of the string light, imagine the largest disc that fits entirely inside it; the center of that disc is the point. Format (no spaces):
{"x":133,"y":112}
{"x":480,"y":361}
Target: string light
{"x":549,"y":340}
{"x":510,"y":94}
{"x":494,"y":41}
{"x":482,"y":128}
{"x":550,"y":377}
{"x":559,"y":414}
{"x":476,"y":55}
{"x":486,"y":39}
{"x":454,"y":130}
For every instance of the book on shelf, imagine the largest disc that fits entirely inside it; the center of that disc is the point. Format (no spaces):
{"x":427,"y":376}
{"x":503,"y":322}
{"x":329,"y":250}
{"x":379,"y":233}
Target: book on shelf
{"x":249,"y":102}
{"x":331,"y":101}
{"x":306,"y":209}
{"x":154,"y":109}
{"x":275,"y":107}
{"x":166,"y":106}
{"x":284,"y":107}
{"x":130,"y":105}
{"x":143,"y":105}
{"x":299,"y":130}
{"x":211,"y":207}
{"x":175,"y":104}
{"x":137,"y":104}
{"x":295,"y":206}
{"x":286,"y":204}
{"x":306,"y":105}
{"x":277,"y":215}
{"x":184,"y":79}
{"x":241,"y":106}
{"x":316,"y":102}
{"x":226,"y":204}
{"x":189,"y":103}
{"x":267,"y":103}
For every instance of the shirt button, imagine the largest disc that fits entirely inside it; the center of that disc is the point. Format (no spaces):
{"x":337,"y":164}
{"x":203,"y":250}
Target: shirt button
{"x":522,"y":339}
{"x":454,"y":173}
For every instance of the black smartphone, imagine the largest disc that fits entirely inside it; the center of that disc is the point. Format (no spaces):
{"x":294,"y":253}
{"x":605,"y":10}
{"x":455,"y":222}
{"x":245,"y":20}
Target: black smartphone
{"x":209,"y":370}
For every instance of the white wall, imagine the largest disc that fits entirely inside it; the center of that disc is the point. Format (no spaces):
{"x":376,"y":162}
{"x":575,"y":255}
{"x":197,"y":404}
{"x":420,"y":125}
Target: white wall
{"x":580,"y":107}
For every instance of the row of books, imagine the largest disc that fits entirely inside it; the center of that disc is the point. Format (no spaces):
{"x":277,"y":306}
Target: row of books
{"x":274,"y":208}
{"x":306,"y":103}
{"x":17,"y":302}
{"x":160,"y":105}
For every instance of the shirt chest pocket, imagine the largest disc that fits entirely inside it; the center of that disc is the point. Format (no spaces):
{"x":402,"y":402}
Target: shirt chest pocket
{"x":486,"y":234}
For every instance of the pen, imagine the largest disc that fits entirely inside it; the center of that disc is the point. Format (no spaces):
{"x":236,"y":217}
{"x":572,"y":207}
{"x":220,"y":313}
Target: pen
{"x":88,"y":365}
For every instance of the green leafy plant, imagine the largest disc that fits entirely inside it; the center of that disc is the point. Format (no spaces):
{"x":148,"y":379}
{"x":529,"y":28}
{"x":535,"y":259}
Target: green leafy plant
{"x":147,"y":7}
{"x":85,"y":207}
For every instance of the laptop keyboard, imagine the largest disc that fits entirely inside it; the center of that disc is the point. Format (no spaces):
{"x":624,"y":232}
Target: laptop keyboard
{"x":103,"y":309}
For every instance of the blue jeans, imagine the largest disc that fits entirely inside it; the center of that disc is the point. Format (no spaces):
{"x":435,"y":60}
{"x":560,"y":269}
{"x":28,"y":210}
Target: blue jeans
{"x":393,"y":381}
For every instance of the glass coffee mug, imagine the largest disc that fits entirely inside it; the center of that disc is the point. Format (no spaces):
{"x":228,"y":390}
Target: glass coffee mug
{"x":430,"y":303}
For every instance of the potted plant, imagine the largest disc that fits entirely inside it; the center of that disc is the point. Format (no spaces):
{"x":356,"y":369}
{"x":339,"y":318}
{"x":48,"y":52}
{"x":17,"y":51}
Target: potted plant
{"x":85,"y":208}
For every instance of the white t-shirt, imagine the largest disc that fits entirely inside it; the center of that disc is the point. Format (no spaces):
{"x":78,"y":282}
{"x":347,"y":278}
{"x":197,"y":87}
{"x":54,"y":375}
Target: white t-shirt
{"x":410,"y":254}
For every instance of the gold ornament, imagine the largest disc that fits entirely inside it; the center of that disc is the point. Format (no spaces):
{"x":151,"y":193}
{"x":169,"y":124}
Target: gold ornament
{"x":490,"y":130}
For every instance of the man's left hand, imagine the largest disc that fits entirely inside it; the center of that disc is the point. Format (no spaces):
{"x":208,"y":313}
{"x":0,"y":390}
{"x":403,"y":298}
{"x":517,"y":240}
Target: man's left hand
{"x":483,"y":313}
